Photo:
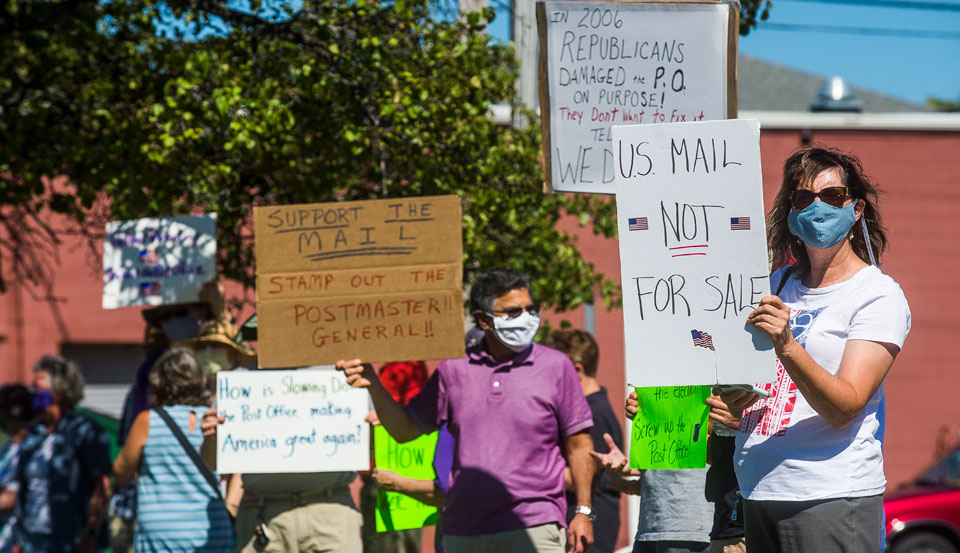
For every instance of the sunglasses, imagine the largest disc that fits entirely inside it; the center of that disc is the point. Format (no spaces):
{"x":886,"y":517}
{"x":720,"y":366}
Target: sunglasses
{"x":835,"y":196}
{"x":514,"y":312}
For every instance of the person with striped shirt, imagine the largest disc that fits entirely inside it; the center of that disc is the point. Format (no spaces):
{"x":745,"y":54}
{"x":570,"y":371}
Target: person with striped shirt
{"x":177,"y":508}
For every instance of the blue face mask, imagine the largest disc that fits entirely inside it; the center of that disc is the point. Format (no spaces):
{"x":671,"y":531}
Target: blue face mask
{"x":42,"y":399}
{"x":821,"y":225}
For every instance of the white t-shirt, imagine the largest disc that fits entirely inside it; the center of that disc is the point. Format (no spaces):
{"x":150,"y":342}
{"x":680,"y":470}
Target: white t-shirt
{"x":785,"y":450}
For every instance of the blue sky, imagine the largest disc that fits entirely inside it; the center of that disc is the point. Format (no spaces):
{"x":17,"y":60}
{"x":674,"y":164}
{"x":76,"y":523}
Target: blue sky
{"x":908,"y":68}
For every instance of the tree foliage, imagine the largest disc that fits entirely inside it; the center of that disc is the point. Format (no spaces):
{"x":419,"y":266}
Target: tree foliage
{"x":943,"y":104}
{"x":225,"y":108}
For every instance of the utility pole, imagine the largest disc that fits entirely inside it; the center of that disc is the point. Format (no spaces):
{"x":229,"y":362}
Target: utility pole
{"x":525,"y":41}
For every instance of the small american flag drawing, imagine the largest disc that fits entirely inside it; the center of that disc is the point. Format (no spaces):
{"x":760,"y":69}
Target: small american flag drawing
{"x":154,"y":288}
{"x":702,"y":339}
{"x":637,"y":223}
{"x":149,"y":257}
{"x":739,"y":223}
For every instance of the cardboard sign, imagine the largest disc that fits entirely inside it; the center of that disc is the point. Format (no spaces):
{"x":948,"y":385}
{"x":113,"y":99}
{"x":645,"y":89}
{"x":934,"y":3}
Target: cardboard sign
{"x":379,"y":280}
{"x":623,"y":63}
{"x":693,"y":253}
{"x":158,"y":261}
{"x":307,"y":420}
{"x":670,"y":429}
{"x":413,"y":459}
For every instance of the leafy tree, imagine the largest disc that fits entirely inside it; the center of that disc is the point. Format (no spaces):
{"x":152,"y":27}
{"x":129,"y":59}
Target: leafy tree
{"x":227,"y":108}
{"x":943,"y":104}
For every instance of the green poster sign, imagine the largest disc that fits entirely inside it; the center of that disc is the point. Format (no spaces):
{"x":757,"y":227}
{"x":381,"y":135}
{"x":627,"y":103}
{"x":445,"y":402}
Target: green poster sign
{"x":670,"y":429}
{"x":414,"y":459}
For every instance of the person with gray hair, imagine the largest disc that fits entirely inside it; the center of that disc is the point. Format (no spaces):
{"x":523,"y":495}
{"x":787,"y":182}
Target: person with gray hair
{"x":64,"y":468}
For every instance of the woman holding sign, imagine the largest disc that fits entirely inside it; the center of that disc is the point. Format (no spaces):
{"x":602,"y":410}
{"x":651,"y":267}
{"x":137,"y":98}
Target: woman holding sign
{"x":179,"y":504}
{"x":809,"y":458}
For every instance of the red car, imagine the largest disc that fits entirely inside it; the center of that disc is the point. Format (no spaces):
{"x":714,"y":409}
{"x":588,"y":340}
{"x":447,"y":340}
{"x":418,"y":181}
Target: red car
{"x":924,"y":516}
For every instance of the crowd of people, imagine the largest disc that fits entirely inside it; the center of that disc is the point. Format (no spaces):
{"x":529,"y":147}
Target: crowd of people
{"x":530,"y":456}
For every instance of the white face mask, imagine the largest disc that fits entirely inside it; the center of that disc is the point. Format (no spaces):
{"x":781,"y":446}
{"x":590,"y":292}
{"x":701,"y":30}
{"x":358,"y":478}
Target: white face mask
{"x":517,"y":333}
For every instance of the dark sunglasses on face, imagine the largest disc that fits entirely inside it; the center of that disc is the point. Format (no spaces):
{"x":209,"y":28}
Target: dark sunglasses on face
{"x":835,"y":196}
{"x":514,"y":312}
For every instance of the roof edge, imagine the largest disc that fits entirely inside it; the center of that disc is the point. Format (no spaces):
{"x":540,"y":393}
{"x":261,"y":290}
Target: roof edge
{"x":901,"y":121}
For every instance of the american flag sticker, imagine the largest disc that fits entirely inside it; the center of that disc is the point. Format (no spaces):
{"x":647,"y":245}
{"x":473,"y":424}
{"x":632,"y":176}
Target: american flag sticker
{"x":154,"y":288}
{"x":637,"y":223}
{"x":739,"y":223}
{"x":149,"y":257}
{"x":702,"y":339}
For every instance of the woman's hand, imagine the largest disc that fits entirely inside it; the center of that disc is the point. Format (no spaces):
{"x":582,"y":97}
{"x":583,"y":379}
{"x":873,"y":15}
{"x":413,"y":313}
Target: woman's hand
{"x":736,"y":401}
{"x":773,"y":317}
{"x":720,"y":412}
{"x":209,"y":422}
{"x":632,"y":405}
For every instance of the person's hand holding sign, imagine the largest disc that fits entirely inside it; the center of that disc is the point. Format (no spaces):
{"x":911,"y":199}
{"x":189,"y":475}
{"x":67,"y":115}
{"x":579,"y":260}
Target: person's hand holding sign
{"x":737,"y":400}
{"x":391,"y":415}
{"x":208,"y":427}
{"x":720,"y":413}
{"x":773,"y":317}
{"x":632,"y":405}
{"x":358,"y":373}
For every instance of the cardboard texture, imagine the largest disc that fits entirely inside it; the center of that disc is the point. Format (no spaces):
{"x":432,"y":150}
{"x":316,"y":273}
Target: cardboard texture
{"x":618,"y":63}
{"x":413,"y":459}
{"x":670,"y":428}
{"x":693,"y":253}
{"x":307,"y":420}
{"x":379,"y":280}
{"x":158,"y":260}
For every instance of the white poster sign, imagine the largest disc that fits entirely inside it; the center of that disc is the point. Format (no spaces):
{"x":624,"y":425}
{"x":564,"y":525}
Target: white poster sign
{"x":627,"y":63}
{"x":307,"y":420}
{"x":158,"y":261}
{"x":693,"y":253}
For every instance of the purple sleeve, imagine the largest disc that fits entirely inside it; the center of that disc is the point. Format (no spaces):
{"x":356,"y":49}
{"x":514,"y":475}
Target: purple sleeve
{"x":572,"y":408}
{"x":443,"y":459}
{"x":428,"y":409}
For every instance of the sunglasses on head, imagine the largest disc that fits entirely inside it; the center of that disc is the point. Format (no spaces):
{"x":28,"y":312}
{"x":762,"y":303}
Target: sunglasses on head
{"x":835,"y":196}
{"x":514,"y":312}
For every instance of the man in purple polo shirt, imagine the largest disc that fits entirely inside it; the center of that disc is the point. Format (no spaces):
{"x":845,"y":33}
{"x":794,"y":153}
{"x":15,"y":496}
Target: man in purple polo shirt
{"x":513,"y":407}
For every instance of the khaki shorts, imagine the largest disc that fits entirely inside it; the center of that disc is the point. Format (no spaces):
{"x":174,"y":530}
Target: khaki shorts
{"x":546,"y":538}
{"x":331,"y":525}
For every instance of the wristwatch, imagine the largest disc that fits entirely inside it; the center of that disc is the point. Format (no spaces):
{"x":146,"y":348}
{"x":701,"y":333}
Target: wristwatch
{"x":585,"y":510}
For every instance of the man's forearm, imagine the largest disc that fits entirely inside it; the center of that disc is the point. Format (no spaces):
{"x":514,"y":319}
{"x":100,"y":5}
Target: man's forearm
{"x":423,"y":491}
{"x":392,"y":415}
{"x":582,"y":467}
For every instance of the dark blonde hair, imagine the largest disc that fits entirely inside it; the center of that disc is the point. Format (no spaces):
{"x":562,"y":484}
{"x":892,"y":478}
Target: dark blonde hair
{"x":802,"y":168}
{"x":177,"y":379}
{"x":579,"y":346}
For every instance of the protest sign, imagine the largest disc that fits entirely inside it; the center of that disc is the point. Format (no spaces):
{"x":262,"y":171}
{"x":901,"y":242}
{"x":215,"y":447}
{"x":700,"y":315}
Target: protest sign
{"x":413,"y":459}
{"x":622,"y":63}
{"x":307,"y":420}
{"x":693,"y":253}
{"x":378,"y":279}
{"x":158,"y":260}
{"x":670,"y":428}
